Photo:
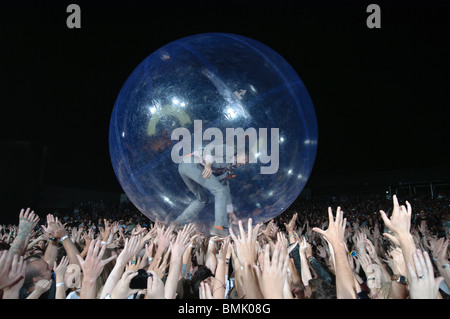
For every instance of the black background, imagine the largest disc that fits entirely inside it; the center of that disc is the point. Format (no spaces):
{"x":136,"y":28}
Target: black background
{"x":381,"y":95}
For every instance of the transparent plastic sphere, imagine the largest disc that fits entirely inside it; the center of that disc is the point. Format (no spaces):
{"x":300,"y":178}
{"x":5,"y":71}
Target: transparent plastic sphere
{"x":220,"y":81}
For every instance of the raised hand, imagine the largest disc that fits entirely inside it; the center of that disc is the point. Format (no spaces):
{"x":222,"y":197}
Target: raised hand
{"x":272,"y":278}
{"x":422,"y":284}
{"x":267,"y":232}
{"x":305,"y":247}
{"x":346,"y":286}
{"x":400,"y":224}
{"x":9,"y":276}
{"x":164,"y":237}
{"x":130,"y":249}
{"x":205,"y":291}
{"x":305,"y":252}
{"x":55,"y":227}
{"x":218,"y":285}
{"x":40,"y":287}
{"x":398,"y":261}
{"x":371,"y":249}
{"x":15,"y":275}
{"x":27,"y":222}
{"x":92,"y":267}
{"x":133,"y":264}
{"x":181,"y":242}
{"x":161,"y":265}
{"x":60,"y":270}
{"x":122,"y":289}
{"x":290,"y":227}
{"x":155,"y":286}
{"x":373,"y":274}
{"x":245,"y":243}
{"x":400,"y":221}
{"x":336,"y":228}
{"x":60,"y":273}
{"x":440,"y":251}
{"x":178,"y":248}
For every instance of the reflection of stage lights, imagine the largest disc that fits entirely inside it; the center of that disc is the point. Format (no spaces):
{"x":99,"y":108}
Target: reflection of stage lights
{"x":230,"y":113}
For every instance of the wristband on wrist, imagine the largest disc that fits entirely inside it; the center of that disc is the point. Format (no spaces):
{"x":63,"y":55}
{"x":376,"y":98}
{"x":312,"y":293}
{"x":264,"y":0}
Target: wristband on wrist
{"x":400,"y":279}
{"x":63,"y":238}
{"x":60,"y":284}
{"x":446,"y":265}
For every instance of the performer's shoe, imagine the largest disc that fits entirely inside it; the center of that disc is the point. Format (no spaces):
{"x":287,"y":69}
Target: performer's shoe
{"x":220,"y":232}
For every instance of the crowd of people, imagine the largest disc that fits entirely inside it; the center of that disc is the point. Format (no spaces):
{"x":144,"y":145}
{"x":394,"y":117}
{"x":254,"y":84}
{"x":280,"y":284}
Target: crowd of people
{"x":322,"y":248}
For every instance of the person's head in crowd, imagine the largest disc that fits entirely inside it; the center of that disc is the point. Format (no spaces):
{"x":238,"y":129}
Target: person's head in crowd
{"x":36,"y":269}
{"x":191,"y":289}
{"x":298,"y":290}
{"x":319,"y":289}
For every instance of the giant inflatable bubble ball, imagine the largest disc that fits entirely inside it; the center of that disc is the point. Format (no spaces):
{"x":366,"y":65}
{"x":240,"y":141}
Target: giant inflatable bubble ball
{"x":221,"y":81}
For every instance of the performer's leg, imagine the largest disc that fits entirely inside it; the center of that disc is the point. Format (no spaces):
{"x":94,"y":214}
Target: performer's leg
{"x":193,"y":172}
{"x":201,"y":197}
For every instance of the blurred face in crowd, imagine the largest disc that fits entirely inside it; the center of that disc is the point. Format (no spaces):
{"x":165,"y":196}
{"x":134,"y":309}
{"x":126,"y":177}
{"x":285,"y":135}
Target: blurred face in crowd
{"x":298,"y":292}
{"x":42,"y":268}
{"x":241,"y":160}
{"x":308,"y":292}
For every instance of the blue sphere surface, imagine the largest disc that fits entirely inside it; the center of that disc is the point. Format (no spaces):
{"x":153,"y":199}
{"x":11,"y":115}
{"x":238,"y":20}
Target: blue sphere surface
{"x":219,"y":81}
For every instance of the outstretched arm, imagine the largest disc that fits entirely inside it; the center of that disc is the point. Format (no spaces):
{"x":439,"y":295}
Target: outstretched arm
{"x":51,"y":252}
{"x":218,"y":285}
{"x":164,"y":236}
{"x":41,"y":287}
{"x":345,"y":281}
{"x":12,"y":274}
{"x":245,"y":244}
{"x":272,"y":278}
{"x":27,"y":221}
{"x":306,"y":272}
{"x":58,"y":230}
{"x":60,"y":271}
{"x":125,"y":255}
{"x":422,"y":283}
{"x":440,"y":256}
{"x":398,"y":289}
{"x":211,"y":260}
{"x":178,"y":248}
{"x":399,"y":224}
{"x":92,"y":267}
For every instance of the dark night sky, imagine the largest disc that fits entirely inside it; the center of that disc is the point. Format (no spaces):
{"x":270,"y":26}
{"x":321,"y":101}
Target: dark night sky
{"x":381,"y":95}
